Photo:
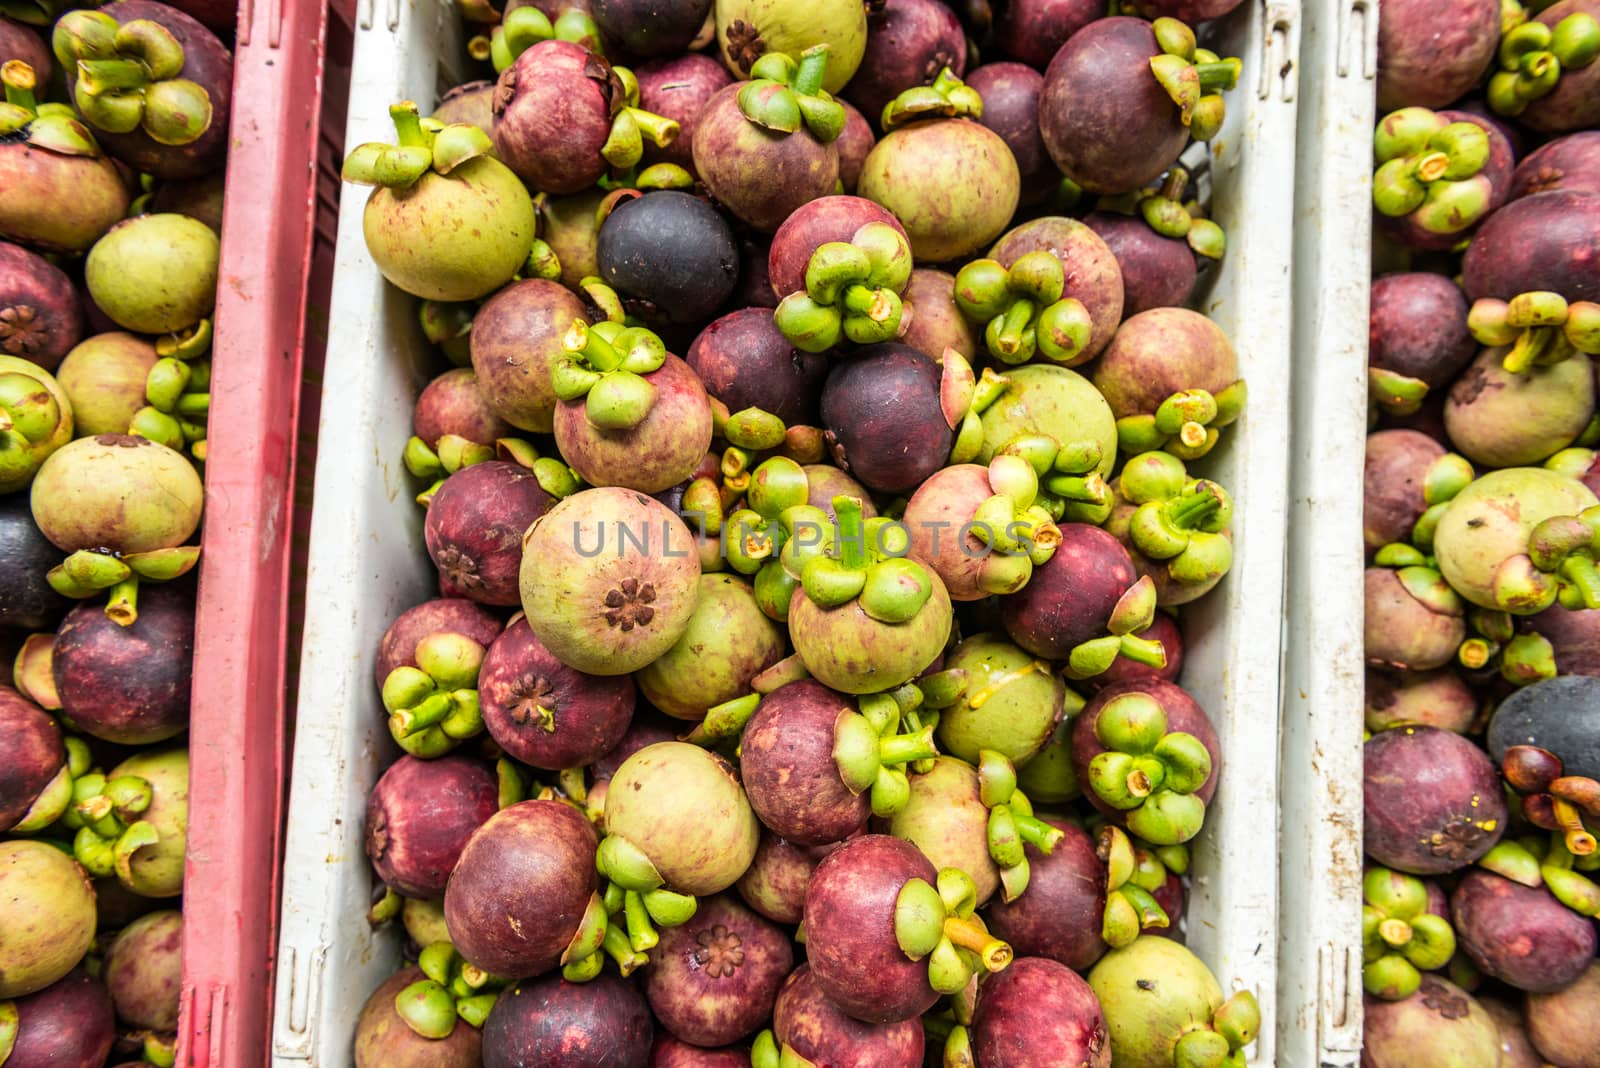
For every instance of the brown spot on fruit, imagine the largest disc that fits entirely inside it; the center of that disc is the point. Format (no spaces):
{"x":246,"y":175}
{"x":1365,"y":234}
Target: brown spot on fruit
{"x":1450,"y":1005}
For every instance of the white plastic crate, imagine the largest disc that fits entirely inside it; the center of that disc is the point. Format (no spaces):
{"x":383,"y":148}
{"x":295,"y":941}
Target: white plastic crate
{"x":1320,"y":911}
{"x":367,"y":564}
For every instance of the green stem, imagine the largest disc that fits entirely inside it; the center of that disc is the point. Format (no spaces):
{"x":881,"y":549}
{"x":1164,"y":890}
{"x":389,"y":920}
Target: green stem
{"x":852,"y":532}
{"x":1580,"y":571}
{"x":1036,"y":832}
{"x":907,"y":748}
{"x":408,"y":125}
{"x":1223,"y":74}
{"x":123,"y":605}
{"x":813,"y":65}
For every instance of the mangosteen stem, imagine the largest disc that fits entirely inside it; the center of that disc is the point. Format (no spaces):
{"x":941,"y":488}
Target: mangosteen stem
{"x":1576,"y":837}
{"x":813,"y":66}
{"x":1036,"y":832}
{"x":1146,"y":651}
{"x":616,"y":946}
{"x":408,"y":125}
{"x":1222,"y":74}
{"x":852,"y":539}
{"x":641,"y":932}
{"x":971,"y":935}
{"x":19,"y":81}
{"x":122,"y":607}
{"x":908,"y":748}
{"x":1580,"y":571}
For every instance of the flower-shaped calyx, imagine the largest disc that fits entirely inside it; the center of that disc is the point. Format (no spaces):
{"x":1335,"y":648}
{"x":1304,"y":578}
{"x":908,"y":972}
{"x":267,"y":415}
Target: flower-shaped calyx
{"x":852,"y":292}
{"x":939,"y":924}
{"x":1012,"y":823}
{"x":1193,"y":77}
{"x":105,"y":814}
{"x":756,"y":538}
{"x":1431,"y":169}
{"x":963,"y":397}
{"x":1070,"y":486}
{"x":870,"y":752}
{"x":782,"y":95}
{"x":605,"y":365}
{"x":1135,"y":872}
{"x":1533,"y":57}
{"x":433,"y":707}
{"x":1148,"y":773}
{"x":177,"y":392}
{"x":452,"y":452}
{"x":422,"y":145}
{"x":1186,"y":424}
{"x":452,"y":990}
{"x":1166,"y":211}
{"x":1400,"y":938}
{"x":1014,"y":524}
{"x":1179,"y":519}
{"x":865,"y":563}
{"x":947,"y":98}
{"x":1541,"y":327}
{"x":1545,"y":860}
{"x":88,"y":571}
{"x":51,"y":127}
{"x":638,"y":895}
{"x":525,"y":27}
{"x":127,"y":77}
{"x":1023,"y":310}
{"x":1559,"y":565}
{"x":33,"y":421}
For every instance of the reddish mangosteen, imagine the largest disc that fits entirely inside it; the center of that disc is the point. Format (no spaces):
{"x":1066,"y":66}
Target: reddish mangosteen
{"x":1071,"y":597}
{"x":1395,"y":476}
{"x":520,"y":894}
{"x":1440,"y":1018}
{"x":22,"y":42}
{"x":447,"y":615}
{"x":1561,"y":1024}
{"x":27,"y":601}
{"x":908,"y":43}
{"x":1431,"y":54}
{"x":775,"y":883}
{"x":1092,"y":274}
{"x":746,"y":363}
{"x":40,"y":318}
{"x":453,"y":404}
{"x":1039,"y":1013}
{"x":831,"y":218}
{"x":1417,"y":335}
{"x":1190,"y":11}
{"x":671,"y":256}
{"x":1519,"y":934}
{"x":936,"y":320}
{"x":1157,"y":271}
{"x":385,"y":1040}
{"x":854,"y":145}
{"x":128,"y":684}
{"x":1413,"y":621}
{"x":1010,"y":94}
{"x":678,"y":88}
{"x":1033,"y":30}
{"x":669,"y":1052}
{"x":1573,"y":102}
{"x":1170,"y":362}
{"x":646,"y":728}
{"x":420,"y":815}
{"x":1439,"y":175}
{"x":1149,"y":759}
{"x":1549,"y":241}
{"x":806,"y":1021}
{"x":1433,"y":800}
{"x":603,"y":1022}
{"x":883,"y":417}
{"x":945,"y":514}
{"x":68,"y":1024}
{"x":1571,"y":162}
{"x":470,"y":102}
{"x":712,"y":980}
{"x":34,"y":764}
{"x":1060,"y":914}
{"x":474,"y":529}
{"x":1439,"y":698}
{"x":646,"y":28}
{"x":545,"y":714}
{"x":1163,"y":628}
{"x":516,"y":341}
{"x":143,"y":971}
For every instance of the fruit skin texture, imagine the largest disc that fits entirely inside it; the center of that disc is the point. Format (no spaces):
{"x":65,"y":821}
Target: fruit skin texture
{"x":1500,"y":419}
{"x":116,"y":491}
{"x":1039,"y":1013}
{"x":603,"y":1023}
{"x":384,"y":1040}
{"x":143,"y":970}
{"x":1417,"y":327}
{"x":759,"y":175}
{"x":945,"y":818}
{"x":787,"y":765}
{"x":671,"y":256}
{"x":1033,"y":30}
{"x":1570,"y":162}
{"x":1059,"y":915}
{"x":678,"y":88}
{"x":1151,"y":992}
{"x":33,"y":758}
{"x":128,"y":685}
{"x":713,"y":980}
{"x":1430,"y":53}
{"x":1433,"y":800}
{"x":474,"y":529}
{"x":728,"y":642}
{"x":609,"y":580}
{"x":1092,"y":272}
{"x":1157,"y":271}
{"x":661,"y":451}
{"x":67,"y":1025}
{"x":421,"y":814}
{"x":806,"y":1020}
{"x":1516,"y":1049}
{"x":1159,"y":352}
{"x":49,"y":907}
{"x":552,"y":114}
{"x":1561,"y":1024}
{"x":909,"y":172}
{"x":516,"y":341}
{"x":1549,"y":241}
{"x":745,"y":362}
{"x":1441,"y":1019}
{"x":850,"y":651}
{"x":775,"y":883}
{"x":882,"y":416}
{"x":521,"y":887}
{"x":40,"y":318}
{"x":104,"y":377}
{"x":446,"y":615}
{"x":748,"y":29}
{"x":669,"y":1052}
{"x":155,"y":274}
{"x":453,"y":404}
{"x":1070,"y":597}
{"x":1395,"y":467}
{"x":1519,"y":934}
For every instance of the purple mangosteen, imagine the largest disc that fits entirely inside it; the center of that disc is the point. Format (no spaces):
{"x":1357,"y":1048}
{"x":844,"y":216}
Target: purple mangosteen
{"x":712,"y":980}
{"x":1157,"y":271}
{"x":516,"y":341}
{"x":1039,"y":1013}
{"x":1417,"y":334}
{"x":1071,"y":597}
{"x":420,"y":815}
{"x":1571,"y":162}
{"x":1430,"y":53}
{"x":883,"y":417}
{"x":775,"y":883}
{"x":130,"y":684}
{"x":34,"y":761}
{"x":1092,"y":274}
{"x":806,"y":1021}
{"x":746,"y":363}
{"x":833,"y":218}
{"x":68,"y":1024}
{"x":40,"y":317}
{"x":474,"y":529}
{"x":143,"y":971}
{"x":672,"y":257}
{"x":1548,"y":241}
{"x":1433,"y":800}
{"x":446,"y":615}
{"x":1033,"y":30}
{"x":1439,"y":698}
{"x":678,"y":88}
{"x":1059,"y":916}
{"x":603,"y":1023}
{"x":908,"y":43}
{"x":385,"y":1040}
{"x":1519,"y":934}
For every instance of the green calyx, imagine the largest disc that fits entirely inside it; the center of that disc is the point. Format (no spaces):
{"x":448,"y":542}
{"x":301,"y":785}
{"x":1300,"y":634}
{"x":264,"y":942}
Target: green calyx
{"x":1542,"y":328}
{"x":1400,"y":938}
{"x":1559,"y":565}
{"x":631,"y":125}
{"x":87,"y":572}
{"x":1445,"y":477}
{"x":525,"y":27}
{"x":1193,"y":77}
{"x":774,"y":534}
{"x":866,"y":564}
{"x":433,"y":707}
{"x":52,"y":127}
{"x":947,"y":98}
{"x":1014,"y":524}
{"x":1166,"y":211}
{"x":34,"y":13}
{"x":33,"y":422}
{"x":178,"y":401}
{"x":1431,"y":169}
{"x":422,"y":145}
{"x":1186,"y":424}
{"x":127,"y":77}
{"x":1134,"y":874}
{"x":106,"y":816}
{"x":1148,"y":773}
{"x":939,"y":924}
{"x":61,"y":792}
{"x":852,"y":292}
{"x":1546,"y":861}
{"x":870,"y":752}
{"x":782,"y":95}
{"x":1012,"y":824}
{"x":1133,"y":613}
{"x":1069,"y":485}
{"x":1533,"y":56}
{"x":1395,"y":393}
{"x":964,"y":395}
{"x":635,"y":902}
{"x":448,"y":324}
{"x":1185,"y":525}
{"x":1023,"y":310}
{"x":453,"y":990}
{"x":444,"y":457}
{"x":1233,"y":1027}
{"x":605,"y":364}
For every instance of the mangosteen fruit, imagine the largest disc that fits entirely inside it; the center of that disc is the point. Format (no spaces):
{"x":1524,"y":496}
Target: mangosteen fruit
{"x":1440,"y":698}
{"x":1406,"y":931}
{"x":980,"y":528}
{"x":143,"y":971}
{"x":1396,"y":483}
{"x":854,"y":145}
{"x":1163,"y":630}
{"x":937,"y":322}
{"x":1548,"y":79}
{"x":646,"y":728}
{"x":49,"y":904}
{"x":1499,"y":418}
{"x":603,"y":1023}
{"x":1171,"y":378}
{"x":1039,"y":1012}
{"x":745,"y":362}
{"x":669,"y":1052}
{"x":947,"y":815}
{"x":104,"y":377}
{"x":650,"y":29}
{"x":908,"y":43}
{"x":1012,"y":702}
{"x":750,"y":29}
{"x":35,"y":785}
{"x":40,"y":319}
{"x":419,"y":817}
{"x":678,"y":88}
{"x":1441,"y":1024}
{"x":27,"y":601}
{"x":1559,"y":1023}
{"x":1556,"y":715}
{"x":22,"y":42}
{"x":1091,"y":273}
{"x":1519,"y":934}
{"x":1516,"y":1048}
{"x":69,"y":1024}
{"x":133,"y":822}
{"x":1060,"y":915}
{"x":884,"y":421}
{"x":453,"y":406}
{"x":1438,"y":175}
{"x":516,"y":343}
{"x":807,"y":1023}
{"x":727,"y":642}
{"x":670,"y":256}
{"x":712,"y":980}
{"x":775,"y":883}
{"x":1105,"y":593}
{"x":1417,"y":337}
{"x":812,"y":225}
{"x":1413,"y":620}
{"x":1544,"y":242}
{"x":1033,"y":30}
{"x":1157,"y":271}
{"x":474,"y":529}
{"x":1010,"y":94}
{"x":470,"y":102}
{"x":1570,"y":162}
{"x":447,"y":615}
{"x":128,"y":684}
{"x":1433,"y":800}
{"x":155,"y":274}
{"x":38,"y":421}
{"x":385,"y":1040}
{"x":1162,"y":1006}
{"x":1431,"y":55}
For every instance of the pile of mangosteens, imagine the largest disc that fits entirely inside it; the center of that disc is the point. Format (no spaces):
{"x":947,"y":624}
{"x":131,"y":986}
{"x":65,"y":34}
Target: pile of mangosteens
{"x":1481,"y":525}
{"x":815,"y":473}
{"x":113,"y":138}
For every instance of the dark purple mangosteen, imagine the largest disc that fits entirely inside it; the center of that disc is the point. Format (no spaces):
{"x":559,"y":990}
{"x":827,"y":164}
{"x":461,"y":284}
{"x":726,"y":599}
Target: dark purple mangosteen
{"x":805,"y":1020}
{"x":746,"y":363}
{"x":453,"y":404}
{"x":1433,"y":800}
{"x":712,"y":981}
{"x":936,"y":320}
{"x":1039,"y":1013}
{"x":1571,"y":162}
{"x":22,"y":42}
{"x":1574,"y":102}
{"x":130,"y":684}
{"x":474,"y":530}
{"x":40,"y":318}
{"x":908,"y":43}
{"x":883,"y":417}
{"x":789,"y":770}
{"x":1519,"y":934}
{"x":1070,"y":598}
{"x":420,"y":815}
{"x":1430,"y":53}
{"x":385,"y":1040}
{"x":1574,"y":637}
{"x":679,"y":88}
{"x":545,"y":714}
{"x":755,"y":288}
{"x":446,"y":615}
{"x":775,"y":883}
{"x":669,"y":1052}
{"x":1396,"y":470}
{"x":520,"y":891}
{"x":1059,"y":916}
{"x":604,"y":1023}
{"x":825,"y":219}
{"x":27,"y":601}
{"x":1157,"y":271}
{"x":470,"y":102}
{"x":853,"y":145}
{"x":1561,"y":1025}
{"x":1163,"y":628}
{"x":671,"y":256}
{"x":1558,"y":715}
{"x":34,"y":755}
{"x":1439,"y":698}
{"x":646,"y":28}
{"x":1418,"y":328}
{"x":1010,"y":94}
{"x":199,"y":198}
{"x":1549,"y":241}
{"x":1033,"y":30}
{"x":218,"y":16}
{"x":1092,"y":273}
{"x":143,"y":971}
{"x":516,"y":341}
{"x":69,"y":1024}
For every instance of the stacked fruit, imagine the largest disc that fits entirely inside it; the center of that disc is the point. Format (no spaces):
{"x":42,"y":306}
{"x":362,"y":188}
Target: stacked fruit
{"x":1481,"y":525}
{"x":813,"y":500}
{"x":112,"y":142}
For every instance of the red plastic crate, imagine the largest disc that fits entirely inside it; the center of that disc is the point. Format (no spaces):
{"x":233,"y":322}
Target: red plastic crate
{"x":240,"y":709}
